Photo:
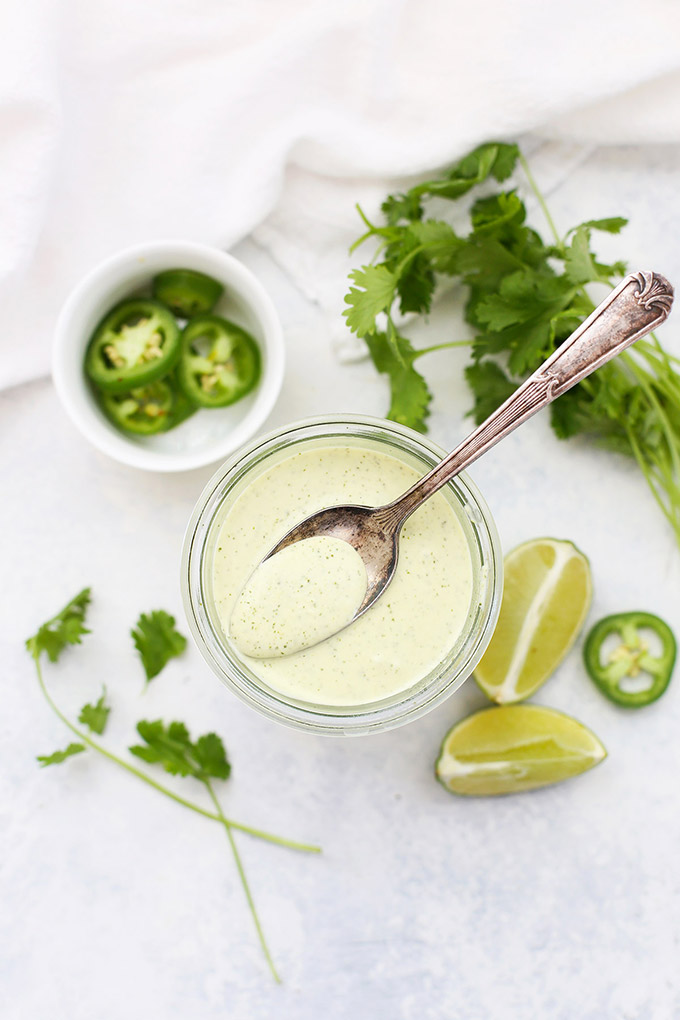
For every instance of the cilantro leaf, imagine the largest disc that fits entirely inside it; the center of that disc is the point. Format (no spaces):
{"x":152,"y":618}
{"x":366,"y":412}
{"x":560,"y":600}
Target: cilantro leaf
{"x":173,"y":748}
{"x":415,"y":286}
{"x":95,"y":716}
{"x":168,"y":746}
{"x":66,"y":628}
{"x":522,"y":296}
{"x":531,"y":344}
{"x":157,"y":641}
{"x":441,"y":242}
{"x":612,"y":225}
{"x":579,"y":264}
{"x":490,"y":386}
{"x":59,"y":756}
{"x":493,"y":159}
{"x":483,"y":263}
{"x":489,"y":214}
{"x":211,"y":756}
{"x":567,"y":414}
{"x":373,"y":294}
{"x":505,"y":161}
{"x":402,"y":207}
{"x":410,"y":397}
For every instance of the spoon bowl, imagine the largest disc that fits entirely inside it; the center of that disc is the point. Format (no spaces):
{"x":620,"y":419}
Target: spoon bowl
{"x":367,"y":529}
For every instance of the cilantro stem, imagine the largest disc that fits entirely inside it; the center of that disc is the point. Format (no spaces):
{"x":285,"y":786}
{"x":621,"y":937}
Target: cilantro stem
{"x":541,"y":200}
{"x":242,"y":875}
{"x":665,"y":355}
{"x":360,"y":240}
{"x":371,"y":226}
{"x":386,"y":233}
{"x":669,"y":471}
{"x":257,"y":833}
{"x":651,"y":481}
{"x":660,"y":466}
{"x":440,"y":347}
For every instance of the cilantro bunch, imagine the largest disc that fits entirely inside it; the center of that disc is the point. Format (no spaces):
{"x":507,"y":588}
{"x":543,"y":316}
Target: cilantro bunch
{"x":168,"y":745}
{"x":523,"y":297}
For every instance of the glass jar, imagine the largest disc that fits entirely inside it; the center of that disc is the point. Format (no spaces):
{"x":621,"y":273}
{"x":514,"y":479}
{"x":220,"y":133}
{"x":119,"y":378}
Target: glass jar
{"x":197,"y":568}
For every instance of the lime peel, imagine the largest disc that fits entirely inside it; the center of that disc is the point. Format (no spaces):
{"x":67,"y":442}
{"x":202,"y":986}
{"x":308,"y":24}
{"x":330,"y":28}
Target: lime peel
{"x":511,"y":748}
{"x":547,"y":596}
{"x":547,"y":588}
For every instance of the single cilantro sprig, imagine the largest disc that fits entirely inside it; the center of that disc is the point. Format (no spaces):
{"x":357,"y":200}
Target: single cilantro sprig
{"x":525,"y":296}
{"x":38,"y":645}
{"x":205,"y":759}
{"x":157,"y":640}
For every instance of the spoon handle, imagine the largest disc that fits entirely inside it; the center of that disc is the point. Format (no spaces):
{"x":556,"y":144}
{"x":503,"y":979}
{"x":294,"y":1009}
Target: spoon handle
{"x":640,"y":303}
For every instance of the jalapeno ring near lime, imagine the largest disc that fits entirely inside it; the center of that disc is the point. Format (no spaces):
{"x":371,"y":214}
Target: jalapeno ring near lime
{"x":631,"y":658}
{"x":219,"y":363}
{"x":136,"y":343}
{"x":186,"y":292}
{"x":143,"y":410}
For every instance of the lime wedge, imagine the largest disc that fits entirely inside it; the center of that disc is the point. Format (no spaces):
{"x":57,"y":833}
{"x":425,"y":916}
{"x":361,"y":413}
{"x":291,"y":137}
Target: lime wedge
{"x":546,"y":597}
{"x":512,"y":748}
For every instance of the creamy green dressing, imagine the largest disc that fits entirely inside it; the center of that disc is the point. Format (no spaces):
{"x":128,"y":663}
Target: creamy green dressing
{"x":299,"y":597}
{"x":409,"y":630}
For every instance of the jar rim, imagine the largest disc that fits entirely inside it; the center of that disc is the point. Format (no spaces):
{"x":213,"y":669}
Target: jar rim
{"x":326,"y":719}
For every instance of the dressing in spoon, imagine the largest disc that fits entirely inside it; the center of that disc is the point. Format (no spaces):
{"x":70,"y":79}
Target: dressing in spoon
{"x":298,"y":598}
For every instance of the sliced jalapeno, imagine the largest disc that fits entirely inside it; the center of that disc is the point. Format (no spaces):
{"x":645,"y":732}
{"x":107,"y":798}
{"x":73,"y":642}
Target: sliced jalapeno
{"x":182,"y":408}
{"x":186,"y":292}
{"x":220,"y":362}
{"x":631,"y":658}
{"x":144,"y":410}
{"x":135,"y":344}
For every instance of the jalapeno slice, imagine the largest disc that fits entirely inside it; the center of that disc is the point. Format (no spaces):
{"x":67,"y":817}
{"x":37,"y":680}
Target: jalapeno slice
{"x":220,"y":362}
{"x":631,"y":658}
{"x":186,"y":292}
{"x":143,"y":410}
{"x":135,"y":344}
{"x":182,"y":408}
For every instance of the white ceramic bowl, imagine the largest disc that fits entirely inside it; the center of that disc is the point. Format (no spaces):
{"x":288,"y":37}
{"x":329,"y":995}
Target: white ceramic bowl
{"x":209,"y":435}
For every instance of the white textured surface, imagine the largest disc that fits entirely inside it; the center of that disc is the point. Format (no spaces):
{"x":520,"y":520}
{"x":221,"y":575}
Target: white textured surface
{"x":118,"y":904}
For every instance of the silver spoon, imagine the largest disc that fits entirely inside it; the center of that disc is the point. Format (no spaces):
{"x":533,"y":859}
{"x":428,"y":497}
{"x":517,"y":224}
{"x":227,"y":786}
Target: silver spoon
{"x":640,"y":303}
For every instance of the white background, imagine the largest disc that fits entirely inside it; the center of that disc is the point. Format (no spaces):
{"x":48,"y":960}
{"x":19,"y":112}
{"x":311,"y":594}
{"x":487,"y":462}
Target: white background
{"x":117,"y":904}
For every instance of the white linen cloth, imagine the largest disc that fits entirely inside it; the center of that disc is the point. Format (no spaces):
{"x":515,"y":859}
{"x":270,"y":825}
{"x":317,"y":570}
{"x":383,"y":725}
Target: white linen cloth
{"x":202,"y":119}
